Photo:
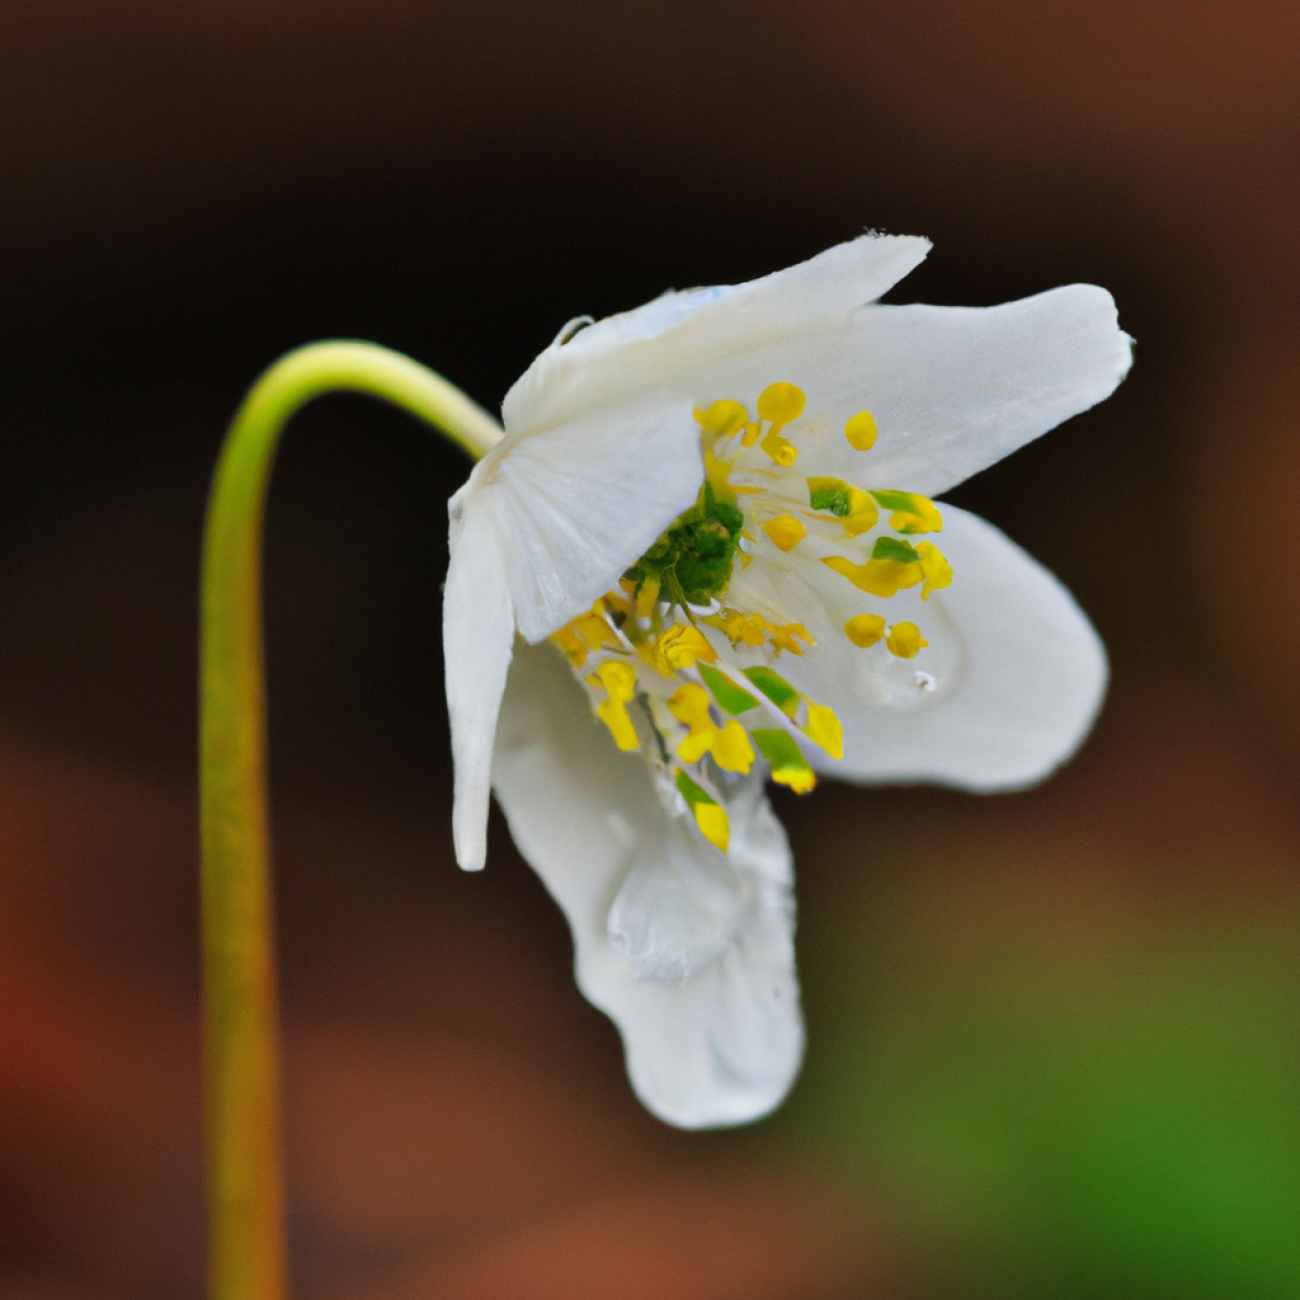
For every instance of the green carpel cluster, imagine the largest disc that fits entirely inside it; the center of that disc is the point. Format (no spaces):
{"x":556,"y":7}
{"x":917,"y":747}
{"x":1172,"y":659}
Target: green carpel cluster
{"x":692,"y":560}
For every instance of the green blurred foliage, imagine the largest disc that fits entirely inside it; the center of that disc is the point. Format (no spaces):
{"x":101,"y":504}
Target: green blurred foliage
{"x":1050,"y":1087}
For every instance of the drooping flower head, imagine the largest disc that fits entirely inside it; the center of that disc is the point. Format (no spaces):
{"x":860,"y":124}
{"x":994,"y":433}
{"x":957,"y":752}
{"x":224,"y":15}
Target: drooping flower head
{"x":711,"y":521}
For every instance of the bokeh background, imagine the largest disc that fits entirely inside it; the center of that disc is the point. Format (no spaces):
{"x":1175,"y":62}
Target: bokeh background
{"x":1054,"y":1036}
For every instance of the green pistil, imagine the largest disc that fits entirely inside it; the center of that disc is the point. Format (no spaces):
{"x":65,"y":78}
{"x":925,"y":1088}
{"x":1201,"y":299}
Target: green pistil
{"x":692,"y":560}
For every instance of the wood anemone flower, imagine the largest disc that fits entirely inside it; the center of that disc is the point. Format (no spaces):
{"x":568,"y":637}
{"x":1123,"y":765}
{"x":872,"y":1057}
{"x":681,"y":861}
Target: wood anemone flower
{"x":706,"y":555}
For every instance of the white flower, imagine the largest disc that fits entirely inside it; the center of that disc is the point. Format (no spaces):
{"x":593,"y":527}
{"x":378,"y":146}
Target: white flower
{"x":716,"y":506}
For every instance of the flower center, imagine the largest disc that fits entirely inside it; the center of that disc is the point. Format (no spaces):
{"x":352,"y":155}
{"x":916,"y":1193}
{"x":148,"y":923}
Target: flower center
{"x":691,"y":563}
{"x":662,"y":684}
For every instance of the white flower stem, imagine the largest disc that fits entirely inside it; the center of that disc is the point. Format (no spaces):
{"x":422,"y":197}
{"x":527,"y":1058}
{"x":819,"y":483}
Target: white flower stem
{"x":241,"y":1036}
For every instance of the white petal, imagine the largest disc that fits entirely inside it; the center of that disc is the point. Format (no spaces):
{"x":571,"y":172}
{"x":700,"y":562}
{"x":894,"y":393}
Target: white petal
{"x":712,"y":1038}
{"x":582,"y":504}
{"x":478,"y":637}
{"x":1019,"y":673}
{"x":675,"y":339}
{"x":679,"y":907}
{"x":952,"y":389}
{"x":958,"y":388}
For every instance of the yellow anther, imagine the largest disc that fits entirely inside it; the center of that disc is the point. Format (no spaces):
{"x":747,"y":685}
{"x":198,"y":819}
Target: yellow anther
{"x":781,"y":403}
{"x":877,"y":577}
{"x":572,"y":645}
{"x":690,"y":704}
{"x":619,"y":681}
{"x":594,"y":629}
{"x":731,"y":748}
{"x":647,"y":597}
{"x":786,"y":637}
{"x":747,"y":628}
{"x":937,"y":570}
{"x":711,"y":818}
{"x":853,"y":507}
{"x":681,"y":645}
{"x":789,"y":766}
{"x":752,"y":432}
{"x":723,"y":418}
{"x":785,"y":531}
{"x":911,"y":513}
{"x":824,"y":729}
{"x":618,"y":678}
{"x":905,"y":640}
{"x":865,"y":629}
{"x":729,"y":744}
{"x":781,"y":451}
{"x":754,"y":629}
{"x":801,"y":780}
{"x":615,"y":716}
{"x":861,"y":431}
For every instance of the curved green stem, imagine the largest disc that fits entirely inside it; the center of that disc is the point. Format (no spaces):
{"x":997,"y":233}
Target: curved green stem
{"x":241,"y":1040}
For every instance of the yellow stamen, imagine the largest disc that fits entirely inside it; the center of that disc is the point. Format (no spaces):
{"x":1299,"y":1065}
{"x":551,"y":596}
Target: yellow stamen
{"x":754,"y":629}
{"x":711,"y":818}
{"x":731,"y":748}
{"x":937,"y":570}
{"x":572,"y":645}
{"x":723,"y":418}
{"x":689,"y":704}
{"x":729,"y":744}
{"x":878,"y":577}
{"x":905,"y":640}
{"x":789,"y":767}
{"x":745,"y":627}
{"x":825,"y":729}
{"x":717,"y":472}
{"x":865,"y":629}
{"x":861,"y":431}
{"x":681,"y":645}
{"x":781,"y":451}
{"x":781,"y":403}
{"x":647,"y":597}
{"x":799,"y":779}
{"x":911,"y":513}
{"x":619,"y":681}
{"x":784,"y":637}
{"x":785,"y":531}
{"x":853,"y":507}
{"x":594,"y":629}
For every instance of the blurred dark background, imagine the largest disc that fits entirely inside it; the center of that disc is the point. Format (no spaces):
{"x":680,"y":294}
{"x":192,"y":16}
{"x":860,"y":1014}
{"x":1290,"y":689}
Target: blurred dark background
{"x":1054,"y":1045}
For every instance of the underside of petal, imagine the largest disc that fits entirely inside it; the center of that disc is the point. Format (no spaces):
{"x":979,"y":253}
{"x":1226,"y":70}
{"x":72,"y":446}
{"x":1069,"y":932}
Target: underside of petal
{"x":712,"y":1030}
{"x":582,"y":504}
{"x":678,"y":336}
{"x":478,"y":638}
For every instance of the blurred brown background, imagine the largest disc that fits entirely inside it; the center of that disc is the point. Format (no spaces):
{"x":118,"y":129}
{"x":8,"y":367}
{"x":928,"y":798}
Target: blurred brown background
{"x":1054,"y":1045}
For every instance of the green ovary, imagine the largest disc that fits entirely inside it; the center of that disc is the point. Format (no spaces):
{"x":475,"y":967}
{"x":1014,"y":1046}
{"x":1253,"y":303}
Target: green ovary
{"x":692,"y":560}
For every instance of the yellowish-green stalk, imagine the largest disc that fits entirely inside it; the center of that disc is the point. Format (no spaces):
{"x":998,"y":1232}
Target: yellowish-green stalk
{"x":241,"y":1043}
